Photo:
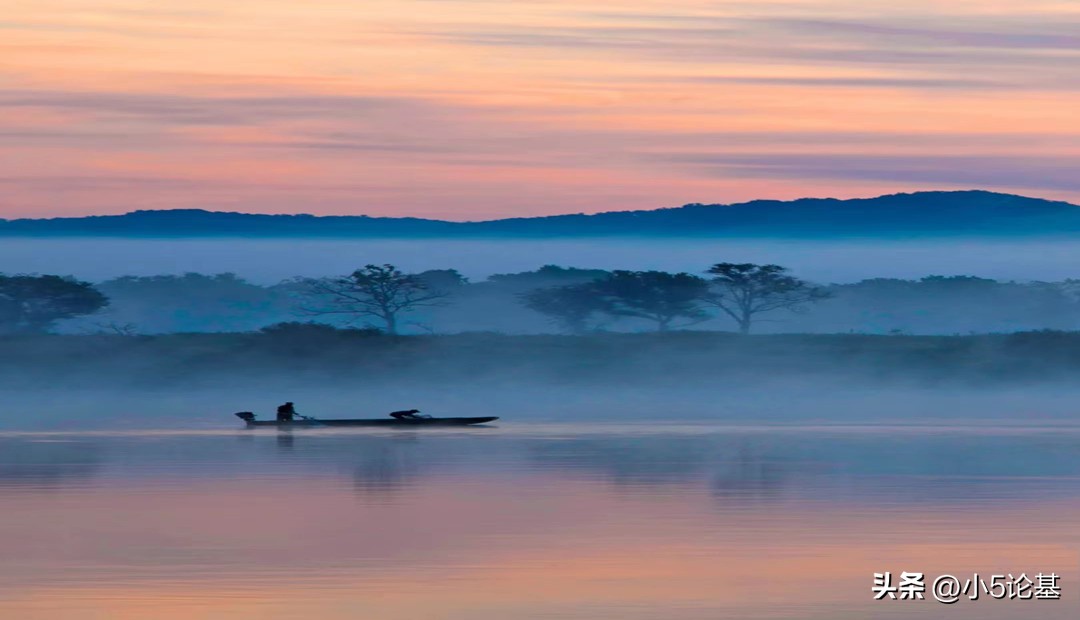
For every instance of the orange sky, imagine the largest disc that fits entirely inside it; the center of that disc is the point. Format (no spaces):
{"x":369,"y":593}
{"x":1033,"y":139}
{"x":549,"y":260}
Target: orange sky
{"x":475,"y":109}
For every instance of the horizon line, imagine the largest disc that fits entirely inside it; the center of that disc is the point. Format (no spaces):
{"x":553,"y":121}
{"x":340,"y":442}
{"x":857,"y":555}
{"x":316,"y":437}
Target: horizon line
{"x":530,"y":217}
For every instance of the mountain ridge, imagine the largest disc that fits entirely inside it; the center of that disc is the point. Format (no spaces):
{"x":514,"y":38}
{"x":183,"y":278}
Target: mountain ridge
{"x":930,"y":213}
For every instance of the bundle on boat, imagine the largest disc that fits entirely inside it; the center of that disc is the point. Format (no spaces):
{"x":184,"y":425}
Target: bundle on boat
{"x":250,"y":421}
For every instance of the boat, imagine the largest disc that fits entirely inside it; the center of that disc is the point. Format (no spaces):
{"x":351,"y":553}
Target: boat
{"x":306,"y":422}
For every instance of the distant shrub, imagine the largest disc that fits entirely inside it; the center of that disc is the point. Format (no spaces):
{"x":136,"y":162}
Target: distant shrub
{"x":297,"y":328}
{"x":312,"y":329}
{"x":364,"y":331}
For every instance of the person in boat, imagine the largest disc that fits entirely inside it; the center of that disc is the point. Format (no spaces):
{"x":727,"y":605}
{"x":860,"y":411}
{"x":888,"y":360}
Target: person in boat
{"x":286,"y":412}
{"x":406,"y":415}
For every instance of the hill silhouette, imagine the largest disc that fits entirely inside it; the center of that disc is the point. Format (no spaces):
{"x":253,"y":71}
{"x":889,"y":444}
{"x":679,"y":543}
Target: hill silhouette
{"x":962,"y":213}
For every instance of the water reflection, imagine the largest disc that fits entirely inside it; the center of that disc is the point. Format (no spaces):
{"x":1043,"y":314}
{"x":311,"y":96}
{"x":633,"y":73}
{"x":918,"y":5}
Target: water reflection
{"x":542,"y":522}
{"x":47,"y":463}
{"x":388,"y":464}
{"x":631,"y":461}
{"x":285,"y":440}
{"x":868,"y":465}
{"x":750,"y":475}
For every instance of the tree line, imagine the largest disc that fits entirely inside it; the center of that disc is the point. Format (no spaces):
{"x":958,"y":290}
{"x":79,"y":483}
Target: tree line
{"x":573,"y":300}
{"x":742,"y":291}
{"x":384,"y":295}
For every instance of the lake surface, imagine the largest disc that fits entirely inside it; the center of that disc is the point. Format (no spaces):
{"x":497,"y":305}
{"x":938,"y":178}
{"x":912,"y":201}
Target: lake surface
{"x":532,"y":521}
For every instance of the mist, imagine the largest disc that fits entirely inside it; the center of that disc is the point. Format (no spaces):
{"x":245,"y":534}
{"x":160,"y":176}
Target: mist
{"x":197,"y":381}
{"x":270,"y":261}
{"x":196,"y":350}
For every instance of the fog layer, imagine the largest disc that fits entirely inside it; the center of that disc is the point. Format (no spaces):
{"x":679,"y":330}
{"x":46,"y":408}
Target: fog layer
{"x":269,"y":261}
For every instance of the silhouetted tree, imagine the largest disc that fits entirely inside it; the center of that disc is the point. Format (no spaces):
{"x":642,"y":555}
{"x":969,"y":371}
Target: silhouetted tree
{"x":442,"y":280}
{"x":546,"y":276}
{"x":193,"y":302}
{"x":743,"y":290}
{"x":380,"y":292}
{"x":655,"y":296}
{"x":35,"y":303}
{"x":569,"y":307}
{"x":954,"y":304}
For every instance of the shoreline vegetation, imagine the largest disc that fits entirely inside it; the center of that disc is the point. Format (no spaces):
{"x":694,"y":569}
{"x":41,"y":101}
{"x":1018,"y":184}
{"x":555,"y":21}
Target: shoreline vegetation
{"x":553,"y":328}
{"x":323,"y":355}
{"x":550,"y":299}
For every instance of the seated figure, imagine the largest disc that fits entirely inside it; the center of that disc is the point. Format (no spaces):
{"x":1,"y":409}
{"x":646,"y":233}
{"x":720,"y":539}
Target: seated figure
{"x":286,"y":412}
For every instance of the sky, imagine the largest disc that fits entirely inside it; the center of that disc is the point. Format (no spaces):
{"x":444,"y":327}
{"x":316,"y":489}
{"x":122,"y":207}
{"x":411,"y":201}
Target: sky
{"x":478,"y":109}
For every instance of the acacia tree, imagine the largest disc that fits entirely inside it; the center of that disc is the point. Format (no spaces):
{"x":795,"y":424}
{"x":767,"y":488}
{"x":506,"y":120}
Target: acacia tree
{"x":744,"y":290}
{"x":35,"y":303}
{"x":570,"y":307}
{"x":380,"y":292}
{"x":655,"y":296}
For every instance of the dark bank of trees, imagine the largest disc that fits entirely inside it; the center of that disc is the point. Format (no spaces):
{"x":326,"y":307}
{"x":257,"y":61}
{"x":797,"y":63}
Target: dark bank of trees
{"x":189,"y":302}
{"x":35,"y":303}
{"x":301,"y":356}
{"x":662,"y":299}
{"x":566,"y":307}
{"x":741,"y":291}
{"x":740,"y":297}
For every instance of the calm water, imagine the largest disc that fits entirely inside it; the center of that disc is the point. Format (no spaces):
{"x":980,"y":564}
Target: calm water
{"x":531,"y":522}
